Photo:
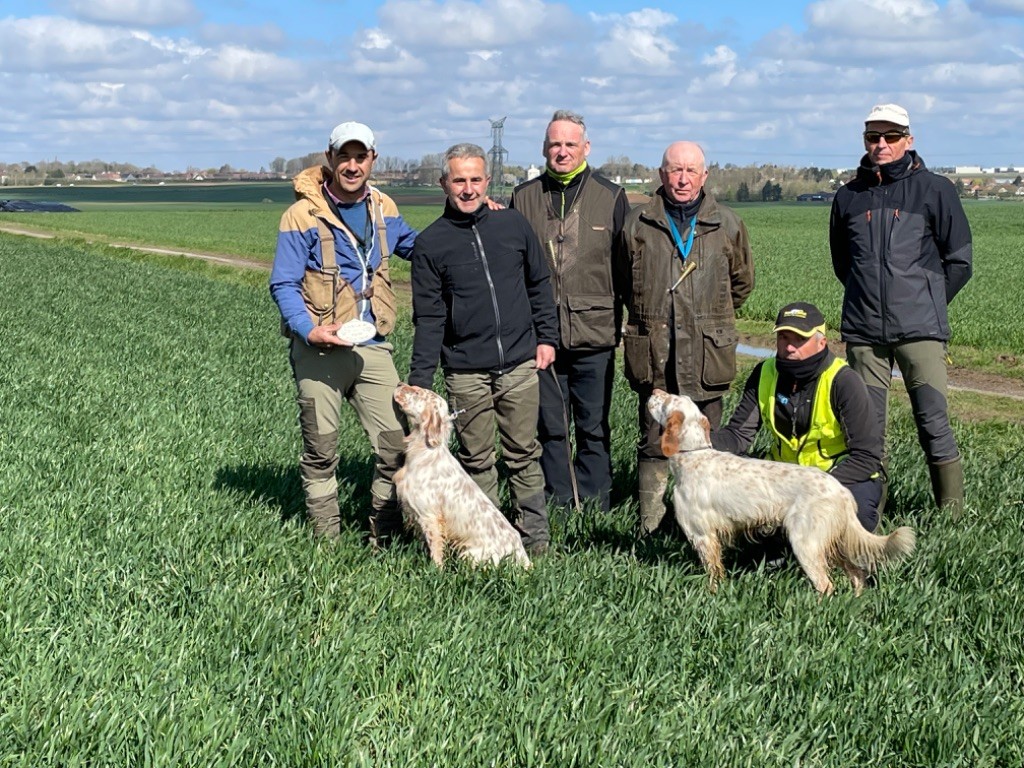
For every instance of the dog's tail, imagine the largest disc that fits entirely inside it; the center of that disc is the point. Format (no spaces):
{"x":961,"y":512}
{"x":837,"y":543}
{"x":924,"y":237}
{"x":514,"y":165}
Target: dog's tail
{"x":868,"y":550}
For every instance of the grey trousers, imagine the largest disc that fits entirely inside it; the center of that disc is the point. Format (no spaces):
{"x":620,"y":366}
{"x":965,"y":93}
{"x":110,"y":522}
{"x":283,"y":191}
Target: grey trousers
{"x":923,"y":367}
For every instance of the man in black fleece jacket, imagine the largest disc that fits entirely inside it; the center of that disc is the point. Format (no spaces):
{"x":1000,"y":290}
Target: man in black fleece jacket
{"x":483,"y":307}
{"x":815,"y":408}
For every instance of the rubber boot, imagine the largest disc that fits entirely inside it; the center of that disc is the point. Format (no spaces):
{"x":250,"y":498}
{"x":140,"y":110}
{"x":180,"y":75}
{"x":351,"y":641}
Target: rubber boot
{"x":385,"y":515}
{"x":948,"y":486}
{"x":532,"y":513}
{"x":652,"y":477}
{"x":323,"y":514}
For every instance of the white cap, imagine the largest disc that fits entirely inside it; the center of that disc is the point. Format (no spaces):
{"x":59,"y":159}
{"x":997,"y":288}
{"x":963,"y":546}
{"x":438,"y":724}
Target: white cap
{"x":346,"y":132}
{"x":889,"y":113}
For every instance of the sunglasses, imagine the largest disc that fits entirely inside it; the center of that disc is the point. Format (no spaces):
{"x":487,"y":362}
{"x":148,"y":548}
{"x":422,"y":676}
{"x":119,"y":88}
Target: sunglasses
{"x":891,"y":137}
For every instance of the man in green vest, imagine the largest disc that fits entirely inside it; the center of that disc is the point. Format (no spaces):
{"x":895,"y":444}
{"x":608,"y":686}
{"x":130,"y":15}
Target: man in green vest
{"x":577,"y":215}
{"x":815,"y":408}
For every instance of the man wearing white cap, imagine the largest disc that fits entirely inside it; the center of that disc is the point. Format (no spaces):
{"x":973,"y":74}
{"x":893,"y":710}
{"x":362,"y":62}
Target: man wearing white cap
{"x":901,"y":246}
{"x":331,"y":283}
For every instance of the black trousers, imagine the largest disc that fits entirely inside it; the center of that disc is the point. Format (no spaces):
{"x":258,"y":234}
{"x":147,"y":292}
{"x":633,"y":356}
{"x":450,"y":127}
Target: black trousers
{"x":576,"y":394}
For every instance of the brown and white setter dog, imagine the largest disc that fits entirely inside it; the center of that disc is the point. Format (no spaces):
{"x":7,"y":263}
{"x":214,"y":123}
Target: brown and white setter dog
{"x":437,"y":495}
{"x":718,"y":495}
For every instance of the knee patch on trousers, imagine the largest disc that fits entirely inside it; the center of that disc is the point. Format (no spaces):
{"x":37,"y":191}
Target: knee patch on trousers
{"x":319,"y":449}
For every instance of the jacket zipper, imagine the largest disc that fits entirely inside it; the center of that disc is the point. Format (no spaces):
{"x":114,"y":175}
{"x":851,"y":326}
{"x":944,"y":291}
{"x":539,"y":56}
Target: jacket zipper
{"x":883,"y":264}
{"x":479,"y":247}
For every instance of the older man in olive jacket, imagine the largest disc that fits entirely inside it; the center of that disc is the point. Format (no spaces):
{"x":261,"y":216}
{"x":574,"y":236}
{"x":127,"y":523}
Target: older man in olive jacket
{"x":685,"y":268}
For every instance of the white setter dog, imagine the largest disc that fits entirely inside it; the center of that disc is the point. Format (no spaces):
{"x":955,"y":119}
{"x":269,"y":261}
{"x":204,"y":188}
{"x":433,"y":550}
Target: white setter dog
{"x":437,"y":495}
{"x":718,"y":495}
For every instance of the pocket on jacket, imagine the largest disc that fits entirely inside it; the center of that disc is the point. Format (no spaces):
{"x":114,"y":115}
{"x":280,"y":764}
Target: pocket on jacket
{"x":719,"y":354}
{"x":591,"y":321}
{"x":384,"y":305}
{"x":326,"y":306}
{"x":318,"y":291}
{"x":636,"y":352}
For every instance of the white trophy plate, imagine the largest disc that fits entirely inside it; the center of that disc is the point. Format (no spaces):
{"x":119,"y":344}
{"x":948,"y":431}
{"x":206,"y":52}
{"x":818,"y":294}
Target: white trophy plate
{"x":357,"y":331}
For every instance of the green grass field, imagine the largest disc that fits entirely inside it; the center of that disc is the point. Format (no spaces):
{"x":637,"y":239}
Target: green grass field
{"x":164,"y":605}
{"x":789,"y":241}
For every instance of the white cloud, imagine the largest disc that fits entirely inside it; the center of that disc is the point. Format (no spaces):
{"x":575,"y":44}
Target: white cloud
{"x":51,"y":43}
{"x":234,"y":64}
{"x":465,"y":24}
{"x":378,"y":55}
{"x":722,"y":66}
{"x":136,"y":13}
{"x":262,"y":36}
{"x":635,"y":41}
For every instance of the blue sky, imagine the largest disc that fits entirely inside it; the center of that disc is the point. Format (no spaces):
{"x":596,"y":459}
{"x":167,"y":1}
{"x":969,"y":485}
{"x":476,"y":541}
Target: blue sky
{"x":175,"y":83}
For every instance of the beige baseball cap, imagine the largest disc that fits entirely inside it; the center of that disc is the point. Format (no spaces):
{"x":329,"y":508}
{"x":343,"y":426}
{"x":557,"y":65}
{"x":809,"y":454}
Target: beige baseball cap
{"x":888,"y":113}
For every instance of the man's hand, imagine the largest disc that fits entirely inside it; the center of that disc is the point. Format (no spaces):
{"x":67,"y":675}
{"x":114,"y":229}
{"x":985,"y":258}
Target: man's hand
{"x":494,"y":205}
{"x":545,"y":356}
{"x":326,"y":336}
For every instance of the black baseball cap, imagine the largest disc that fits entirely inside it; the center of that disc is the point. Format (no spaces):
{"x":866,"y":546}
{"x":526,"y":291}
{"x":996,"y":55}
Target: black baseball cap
{"x":800,"y":317}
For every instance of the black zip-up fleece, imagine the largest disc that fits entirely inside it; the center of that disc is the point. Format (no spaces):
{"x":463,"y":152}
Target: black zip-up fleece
{"x":901,"y":246}
{"x":481,"y":294}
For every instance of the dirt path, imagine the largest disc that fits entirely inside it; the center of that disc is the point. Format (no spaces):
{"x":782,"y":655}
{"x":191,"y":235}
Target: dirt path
{"x":218,"y":258}
{"x":961,"y":379}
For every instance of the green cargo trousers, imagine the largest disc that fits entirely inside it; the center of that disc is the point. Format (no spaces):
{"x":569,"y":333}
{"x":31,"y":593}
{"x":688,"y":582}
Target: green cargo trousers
{"x":923,"y":367}
{"x":366,"y":378}
{"x":509,"y":401}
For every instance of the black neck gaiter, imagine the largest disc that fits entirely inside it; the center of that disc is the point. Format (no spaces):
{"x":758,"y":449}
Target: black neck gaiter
{"x":801,"y":371}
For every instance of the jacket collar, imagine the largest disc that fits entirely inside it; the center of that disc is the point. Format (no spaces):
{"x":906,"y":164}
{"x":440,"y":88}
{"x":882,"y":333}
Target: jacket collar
{"x":550,"y":183}
{"x":309,"y":186}
{"x":903,"y":168}
{"x":654,"y":212}
{"x":456,"y":216}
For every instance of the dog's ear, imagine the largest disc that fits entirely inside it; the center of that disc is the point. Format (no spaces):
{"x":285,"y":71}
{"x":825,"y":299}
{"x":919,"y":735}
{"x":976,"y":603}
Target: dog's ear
{"x":670,"y":437}
{"x":432,"y":427}
{"x":707,"y":428}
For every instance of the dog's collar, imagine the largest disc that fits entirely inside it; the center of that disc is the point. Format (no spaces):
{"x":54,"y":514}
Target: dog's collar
{"x":693,"y":450}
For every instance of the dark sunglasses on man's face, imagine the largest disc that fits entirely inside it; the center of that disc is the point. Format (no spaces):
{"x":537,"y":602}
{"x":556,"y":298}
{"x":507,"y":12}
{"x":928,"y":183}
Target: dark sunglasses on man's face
{"x":891,"y":137}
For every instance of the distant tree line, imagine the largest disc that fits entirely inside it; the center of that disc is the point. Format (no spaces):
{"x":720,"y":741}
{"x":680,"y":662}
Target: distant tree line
{"x":728,"y":182}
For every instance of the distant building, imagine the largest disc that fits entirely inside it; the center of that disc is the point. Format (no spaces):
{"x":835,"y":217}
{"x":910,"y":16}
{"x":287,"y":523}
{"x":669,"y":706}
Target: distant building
{"x":532,"y":172}
{"x":962,"y":170}
{"x":815,"y":197}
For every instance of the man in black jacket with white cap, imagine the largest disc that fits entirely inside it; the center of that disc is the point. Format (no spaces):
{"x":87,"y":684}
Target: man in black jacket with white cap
{"x":901,"y":246}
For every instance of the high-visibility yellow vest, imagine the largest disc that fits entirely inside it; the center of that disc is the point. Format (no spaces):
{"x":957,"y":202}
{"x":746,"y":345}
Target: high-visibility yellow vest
{"x":824,"y":444}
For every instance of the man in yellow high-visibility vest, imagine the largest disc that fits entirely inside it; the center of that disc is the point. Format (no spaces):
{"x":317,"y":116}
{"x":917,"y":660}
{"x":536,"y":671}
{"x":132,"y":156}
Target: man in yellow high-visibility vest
{"x":816,"y":410}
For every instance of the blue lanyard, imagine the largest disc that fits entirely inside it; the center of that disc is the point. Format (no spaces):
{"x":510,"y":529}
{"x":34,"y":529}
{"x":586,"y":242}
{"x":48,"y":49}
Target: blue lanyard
{"x":684,"y":250}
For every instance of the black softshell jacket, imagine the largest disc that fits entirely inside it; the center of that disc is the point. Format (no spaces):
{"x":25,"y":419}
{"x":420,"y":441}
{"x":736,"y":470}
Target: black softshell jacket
{"x":482,"y":296}
{"x":901,"y":246}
